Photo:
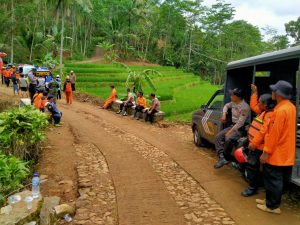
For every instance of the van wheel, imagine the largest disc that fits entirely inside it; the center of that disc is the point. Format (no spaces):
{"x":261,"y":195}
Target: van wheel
{"x":198,"y":140}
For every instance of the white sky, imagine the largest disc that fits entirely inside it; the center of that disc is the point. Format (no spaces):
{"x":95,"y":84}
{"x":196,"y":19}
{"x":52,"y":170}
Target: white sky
{"x":262,"y":13}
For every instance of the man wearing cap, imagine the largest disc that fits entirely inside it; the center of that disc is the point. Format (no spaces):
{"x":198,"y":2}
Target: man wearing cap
{"x":52,"y":108}
{"x":240,"y":112}
{"x":73,"y":80}
{"x":32,"y":83}
{"x":278,"y":155}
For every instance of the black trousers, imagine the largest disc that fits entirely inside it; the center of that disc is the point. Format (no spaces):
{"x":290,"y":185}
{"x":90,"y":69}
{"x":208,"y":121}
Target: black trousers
{"x":32,"y":91}
{"x":125,"y":106}
{"x":7,"y":81}
{"x":138,"y":110}
{"x":73,"y":87}
{"x":276,"y":179}
{"x":223,"y":144}
{"x":58,"y":94}
{"x":253,"y":173}
{"x":150,"y":116}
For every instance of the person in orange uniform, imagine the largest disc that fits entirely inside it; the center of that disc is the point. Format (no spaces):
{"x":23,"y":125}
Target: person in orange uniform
{"x":256,"y":133}
{"x":68,"y":90}
{"x":43,"y":101}
{"x":278,"y":155}
{"x":1,"y":69}
{"x":7,"y":74}
{"x":37,"y":99}
{"x":141,"y":104}
{"x":113,"y":97}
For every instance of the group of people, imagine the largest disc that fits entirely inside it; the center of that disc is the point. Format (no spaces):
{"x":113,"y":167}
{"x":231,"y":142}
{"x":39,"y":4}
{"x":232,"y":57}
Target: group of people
{"x":269,"y":152}
{"x":32,"y":84}
{"x":46,"y":90}
{"x":43,"y":91}
{"x":139,"y":104}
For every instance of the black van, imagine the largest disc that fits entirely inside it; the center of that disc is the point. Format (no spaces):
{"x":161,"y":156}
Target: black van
{"x":261,"y":70}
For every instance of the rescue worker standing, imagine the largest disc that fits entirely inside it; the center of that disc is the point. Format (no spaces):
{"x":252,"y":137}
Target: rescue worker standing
{"x":68,"y":90}
{"x":264,"y":108}
{"x":73,"y":80}
{"x":279,"y":150}
{"x":240,"y":112}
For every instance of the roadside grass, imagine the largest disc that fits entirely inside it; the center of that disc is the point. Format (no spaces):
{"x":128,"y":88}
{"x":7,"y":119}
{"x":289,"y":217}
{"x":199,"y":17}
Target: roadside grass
{"x":180,"y":92}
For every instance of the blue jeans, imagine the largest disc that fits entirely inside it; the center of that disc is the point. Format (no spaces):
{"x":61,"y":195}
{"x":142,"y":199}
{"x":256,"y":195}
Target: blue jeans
{"x":57,"y":118}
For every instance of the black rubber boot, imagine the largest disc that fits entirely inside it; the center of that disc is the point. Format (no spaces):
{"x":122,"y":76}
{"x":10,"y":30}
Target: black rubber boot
{"x":249,"y":191}
{"x":222,"y":162}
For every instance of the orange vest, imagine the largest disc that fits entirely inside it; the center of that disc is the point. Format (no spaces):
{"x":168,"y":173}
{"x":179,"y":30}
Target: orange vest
{"x":259,"y":129}
{"x":37,"y":100}
{"x":43,"y":102}
{"x":18,"y":76}
{"x":68,"y":87}
{"x":141,"y":101}
{"x":255,"y":127}
{"x":6,"y":73}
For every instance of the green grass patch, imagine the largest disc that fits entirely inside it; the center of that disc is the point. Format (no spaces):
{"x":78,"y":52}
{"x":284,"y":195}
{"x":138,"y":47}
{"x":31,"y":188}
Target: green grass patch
{"x":180,"y":93}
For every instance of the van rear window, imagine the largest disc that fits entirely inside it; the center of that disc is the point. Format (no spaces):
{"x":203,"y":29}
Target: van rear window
{"x":262,"y":74}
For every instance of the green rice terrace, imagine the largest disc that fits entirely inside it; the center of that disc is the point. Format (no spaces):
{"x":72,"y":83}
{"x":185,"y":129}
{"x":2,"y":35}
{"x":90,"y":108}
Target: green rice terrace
{"x":180,"y":92}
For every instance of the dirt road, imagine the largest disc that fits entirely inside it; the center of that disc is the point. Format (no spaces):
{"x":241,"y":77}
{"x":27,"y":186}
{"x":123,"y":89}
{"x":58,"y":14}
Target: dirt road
{"x":130,"y":172}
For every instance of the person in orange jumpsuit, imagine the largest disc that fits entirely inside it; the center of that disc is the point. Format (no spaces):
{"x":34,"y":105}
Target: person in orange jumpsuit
{"x":37,"y":99}
{"x":278,"y":155}
{"x":43,"y":101}
{"x":1,"y":69}
{"x":140,"y":106}
{"x":68,"y":90}
{"x":7,"y":75}
{"x":113,"y":97}
{"x":263,"y":107}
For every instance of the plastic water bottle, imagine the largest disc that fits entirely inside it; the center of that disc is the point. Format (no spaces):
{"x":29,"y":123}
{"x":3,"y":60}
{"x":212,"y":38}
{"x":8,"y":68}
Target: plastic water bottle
{"x":35,"y":186}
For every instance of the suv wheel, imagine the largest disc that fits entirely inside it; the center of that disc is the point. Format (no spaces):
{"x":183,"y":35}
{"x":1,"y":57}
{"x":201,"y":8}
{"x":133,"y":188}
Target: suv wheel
{"x":198,"y":140}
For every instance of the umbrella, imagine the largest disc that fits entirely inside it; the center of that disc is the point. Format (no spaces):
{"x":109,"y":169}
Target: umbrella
{"x":3,"y":54}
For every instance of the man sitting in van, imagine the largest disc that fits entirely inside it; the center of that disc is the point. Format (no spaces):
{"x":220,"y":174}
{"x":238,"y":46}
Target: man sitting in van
{"x":240,"y":112}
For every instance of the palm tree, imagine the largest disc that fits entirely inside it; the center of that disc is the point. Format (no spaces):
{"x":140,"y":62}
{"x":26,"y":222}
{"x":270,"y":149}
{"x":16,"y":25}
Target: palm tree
{"x":63,"y":8}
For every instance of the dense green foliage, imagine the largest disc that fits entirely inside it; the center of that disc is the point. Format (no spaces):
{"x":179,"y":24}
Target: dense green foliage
{"x":12,"y":173}
{"x":181,"y":33}
{"x":21,"y":132}
{"x":180,"y":92}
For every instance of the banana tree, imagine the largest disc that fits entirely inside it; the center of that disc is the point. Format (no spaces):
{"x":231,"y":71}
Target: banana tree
{"x":139,"y":79}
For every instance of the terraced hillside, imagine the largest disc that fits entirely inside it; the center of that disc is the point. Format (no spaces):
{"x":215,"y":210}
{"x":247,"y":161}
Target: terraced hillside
{"x":179,"y":92}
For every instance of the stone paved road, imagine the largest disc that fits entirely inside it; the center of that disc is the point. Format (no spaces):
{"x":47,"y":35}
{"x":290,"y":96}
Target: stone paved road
{"x":133,"y":173}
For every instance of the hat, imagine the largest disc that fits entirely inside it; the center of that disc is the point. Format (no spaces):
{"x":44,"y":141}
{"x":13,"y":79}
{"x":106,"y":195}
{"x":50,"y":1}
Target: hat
{"x":237,"y":92}
{"x":57,"y":76}
{"x":283,"y":89}
{"x":71,"y":71}
{"x":50,"y":97}
{"x":67,"y":77}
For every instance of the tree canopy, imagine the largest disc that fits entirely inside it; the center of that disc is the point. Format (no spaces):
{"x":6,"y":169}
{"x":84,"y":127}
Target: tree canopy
{"x":181,"y":33}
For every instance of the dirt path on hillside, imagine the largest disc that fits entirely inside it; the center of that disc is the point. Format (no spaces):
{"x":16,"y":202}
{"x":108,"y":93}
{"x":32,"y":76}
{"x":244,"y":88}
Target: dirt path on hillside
{"x":130,"y":172}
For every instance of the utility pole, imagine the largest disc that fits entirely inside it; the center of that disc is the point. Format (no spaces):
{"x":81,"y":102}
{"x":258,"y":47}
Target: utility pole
{"x":62,"y":40}
{"x":190,"y":51}
{"x":12,"y":34}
